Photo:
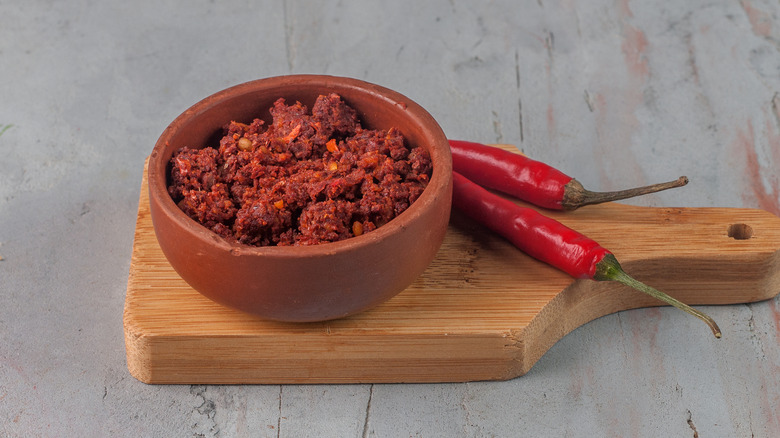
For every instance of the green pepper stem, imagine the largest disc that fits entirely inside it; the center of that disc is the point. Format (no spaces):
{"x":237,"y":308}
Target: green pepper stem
{"x":576,"y":196}
{"x":609,"y":269}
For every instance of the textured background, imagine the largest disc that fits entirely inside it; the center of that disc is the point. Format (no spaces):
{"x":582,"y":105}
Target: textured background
{"x":617,"y":93}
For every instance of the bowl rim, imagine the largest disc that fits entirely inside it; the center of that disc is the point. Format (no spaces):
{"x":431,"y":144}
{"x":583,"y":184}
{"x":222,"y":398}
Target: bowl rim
{"x":440,"y":158}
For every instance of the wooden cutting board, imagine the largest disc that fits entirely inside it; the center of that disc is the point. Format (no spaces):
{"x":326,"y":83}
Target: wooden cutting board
{"x":481,"y":311}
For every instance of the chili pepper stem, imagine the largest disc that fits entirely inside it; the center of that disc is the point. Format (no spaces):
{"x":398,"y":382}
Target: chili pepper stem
{"x":576,"y":196}
{"x":609,"y":269}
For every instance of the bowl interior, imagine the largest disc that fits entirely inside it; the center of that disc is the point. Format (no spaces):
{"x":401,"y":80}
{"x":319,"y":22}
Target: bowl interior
{"x":377,"y":108}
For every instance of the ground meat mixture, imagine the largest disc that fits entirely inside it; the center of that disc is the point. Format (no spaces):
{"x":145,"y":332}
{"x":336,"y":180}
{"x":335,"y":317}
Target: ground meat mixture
{"x":305,"y":179}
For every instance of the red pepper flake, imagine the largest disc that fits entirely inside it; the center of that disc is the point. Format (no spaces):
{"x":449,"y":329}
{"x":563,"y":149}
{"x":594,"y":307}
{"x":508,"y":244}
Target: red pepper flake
{"x":293,"y":134}
{"x":331,"y":145}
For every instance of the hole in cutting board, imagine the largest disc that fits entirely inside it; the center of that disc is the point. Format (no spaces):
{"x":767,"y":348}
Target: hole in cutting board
{"x":740,"y":231}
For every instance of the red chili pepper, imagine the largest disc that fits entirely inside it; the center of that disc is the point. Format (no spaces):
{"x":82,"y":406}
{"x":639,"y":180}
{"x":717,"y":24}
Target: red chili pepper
{"x":534,"y":181}
{"x":549,"y":241}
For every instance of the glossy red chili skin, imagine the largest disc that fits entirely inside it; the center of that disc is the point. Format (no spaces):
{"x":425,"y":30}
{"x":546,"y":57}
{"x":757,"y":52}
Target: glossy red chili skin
{"x":510,"y":173}
{"x":537,"y":235}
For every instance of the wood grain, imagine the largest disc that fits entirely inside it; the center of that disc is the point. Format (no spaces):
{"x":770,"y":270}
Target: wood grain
{"x":481,"y":311}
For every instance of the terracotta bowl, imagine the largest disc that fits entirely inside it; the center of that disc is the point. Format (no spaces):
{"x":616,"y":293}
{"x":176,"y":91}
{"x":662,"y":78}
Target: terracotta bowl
{"x":303,"y":283}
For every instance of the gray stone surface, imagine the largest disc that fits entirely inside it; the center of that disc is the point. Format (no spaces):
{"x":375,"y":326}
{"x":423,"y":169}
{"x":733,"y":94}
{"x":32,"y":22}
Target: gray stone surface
{"x":618,"y":93}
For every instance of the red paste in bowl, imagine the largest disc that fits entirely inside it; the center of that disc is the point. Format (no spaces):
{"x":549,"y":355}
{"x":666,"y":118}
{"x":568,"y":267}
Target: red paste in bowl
{"x":307,"y":178}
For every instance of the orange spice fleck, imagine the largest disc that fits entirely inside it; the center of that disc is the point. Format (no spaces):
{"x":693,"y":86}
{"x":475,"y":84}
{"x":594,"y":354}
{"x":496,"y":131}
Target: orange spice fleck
{"x":293,"y":134}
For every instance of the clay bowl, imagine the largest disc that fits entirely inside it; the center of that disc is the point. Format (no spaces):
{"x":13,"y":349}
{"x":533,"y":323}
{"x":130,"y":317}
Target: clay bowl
{"x":303,"y":283}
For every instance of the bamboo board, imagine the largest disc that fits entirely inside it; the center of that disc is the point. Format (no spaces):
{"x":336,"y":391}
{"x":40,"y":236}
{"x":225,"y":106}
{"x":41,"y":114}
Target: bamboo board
{"x":481,"y":311}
